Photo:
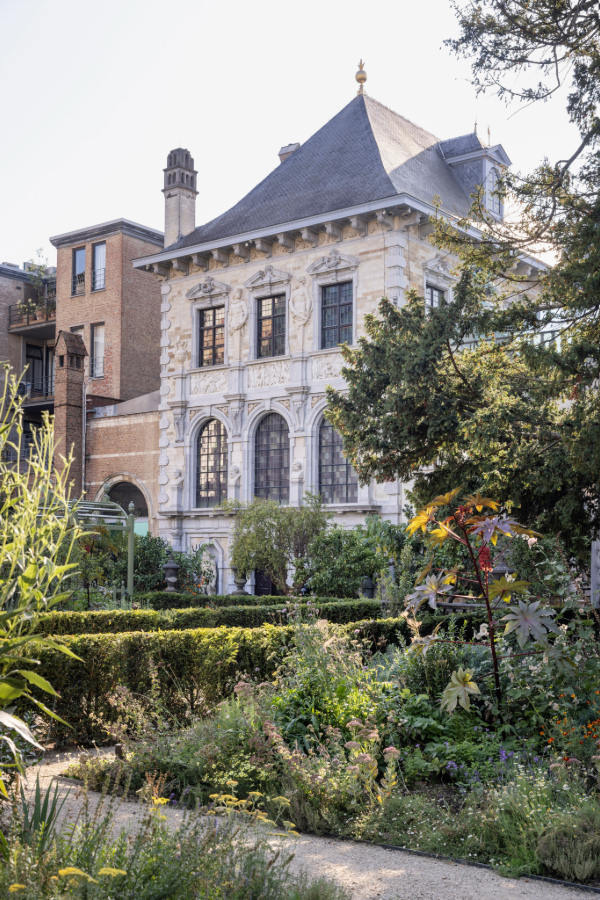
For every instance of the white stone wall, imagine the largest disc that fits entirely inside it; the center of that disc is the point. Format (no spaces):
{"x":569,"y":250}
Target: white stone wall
{"x":379,"y":258}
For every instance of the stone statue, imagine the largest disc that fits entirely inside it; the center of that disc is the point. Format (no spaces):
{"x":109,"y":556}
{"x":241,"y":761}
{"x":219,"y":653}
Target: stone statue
{"x":301,"y":304}
{"x":238,"y":311}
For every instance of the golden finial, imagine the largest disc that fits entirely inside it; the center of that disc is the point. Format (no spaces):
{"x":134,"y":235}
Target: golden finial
{"x":361,"y":77}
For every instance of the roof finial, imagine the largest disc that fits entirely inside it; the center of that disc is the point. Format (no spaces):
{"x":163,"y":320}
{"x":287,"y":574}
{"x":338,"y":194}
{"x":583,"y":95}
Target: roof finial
{"x":475,"y":129}
{"x":361,"y":77}
{"x":489,"y":137}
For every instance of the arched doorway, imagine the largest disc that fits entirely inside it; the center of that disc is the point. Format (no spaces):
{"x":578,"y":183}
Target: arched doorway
{"x":125,"y":493}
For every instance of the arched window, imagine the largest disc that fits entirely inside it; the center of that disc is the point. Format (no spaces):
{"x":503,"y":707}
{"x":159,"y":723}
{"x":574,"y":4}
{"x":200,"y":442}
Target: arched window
{"x":211,"y":465}
{"x":338,"y":482}
{"x":272,"y":459}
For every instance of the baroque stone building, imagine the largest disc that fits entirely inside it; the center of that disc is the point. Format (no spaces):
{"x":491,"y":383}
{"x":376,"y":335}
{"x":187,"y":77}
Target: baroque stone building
{"x":256,"y":303}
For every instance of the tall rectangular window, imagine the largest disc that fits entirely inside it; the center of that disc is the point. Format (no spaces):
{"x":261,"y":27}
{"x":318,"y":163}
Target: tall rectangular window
{"x":99,"y":267}
{"x":212,"y":337}
{"x":271,"y":327}
{"x":434,"y":297}
{"x":336,"y":314}
{"x":97,"y":359}
{"x":78,"y":280}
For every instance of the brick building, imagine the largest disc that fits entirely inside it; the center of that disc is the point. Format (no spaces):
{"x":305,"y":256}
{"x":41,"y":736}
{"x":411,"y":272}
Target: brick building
{"x":114,"y":311}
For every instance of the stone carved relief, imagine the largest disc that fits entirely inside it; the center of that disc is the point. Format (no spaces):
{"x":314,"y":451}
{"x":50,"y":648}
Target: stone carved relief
{"x":439,"y":269}
{"x":238,"y":311}
{"x":179,"y":419}
{"x":236,"y":418}
{"x":268,"y":277}
{"x":298,"y":409}
{"x":252,"y":406}
{"x":235,"y":474}
{"x":332,"y":263}
{"x":300,"y":301}
{"x":224,"y":410}
{"x":315,"y":400}
{"x":178,"y":479}
{"x":327,"y":367}
{"x":297,"y":469}
{"x":267,"y":374}
{"x":209,"y":382}
{"x":285,"y":403}
{"x":181,"y":351}
{"x":208,"y":289}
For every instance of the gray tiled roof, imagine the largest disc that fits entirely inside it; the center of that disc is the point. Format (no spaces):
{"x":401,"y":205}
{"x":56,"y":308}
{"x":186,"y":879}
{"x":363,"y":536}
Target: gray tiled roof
{"x":466,"y":143}
{"x":365,"y":153}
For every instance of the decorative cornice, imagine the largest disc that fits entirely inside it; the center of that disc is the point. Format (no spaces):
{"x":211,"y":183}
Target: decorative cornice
{"x":208,"y":289}
{"x":266,"y":278}
{"x":105,"y":229}
{"x":334,"y":262}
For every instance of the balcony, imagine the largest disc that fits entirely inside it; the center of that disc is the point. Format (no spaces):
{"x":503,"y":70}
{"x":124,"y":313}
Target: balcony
{"x":78,"y":284}
{"x":97,"y":367}
{"x":39,"y":392}
{"x":98,"y":280}
{"x":33,"y":321}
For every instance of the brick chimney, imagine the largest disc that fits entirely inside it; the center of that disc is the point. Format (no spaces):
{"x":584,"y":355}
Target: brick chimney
{"x":180,"y":195}
{"x":70,"y":353}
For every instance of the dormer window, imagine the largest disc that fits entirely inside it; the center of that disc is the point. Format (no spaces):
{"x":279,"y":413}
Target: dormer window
{"x":493,"y":204}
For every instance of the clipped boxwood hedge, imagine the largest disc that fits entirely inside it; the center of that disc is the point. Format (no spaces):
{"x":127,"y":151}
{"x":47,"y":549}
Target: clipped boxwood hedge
{"x":119,"y":621}
{"x":166,"y":600}
{"x":193,"y":668}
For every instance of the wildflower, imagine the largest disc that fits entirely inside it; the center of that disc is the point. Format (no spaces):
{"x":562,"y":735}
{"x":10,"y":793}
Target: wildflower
{"x":352,"y":745}
{"x":391,"y":753}
{"x":354,"y":723}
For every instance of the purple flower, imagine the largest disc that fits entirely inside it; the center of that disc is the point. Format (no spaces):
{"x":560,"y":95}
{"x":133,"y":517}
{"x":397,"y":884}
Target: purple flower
{"x":536,"y":759}
{"x":502,"y":753}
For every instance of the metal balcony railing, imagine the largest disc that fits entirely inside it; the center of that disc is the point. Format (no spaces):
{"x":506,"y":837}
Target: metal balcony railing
{"x":98,"y":281}
{"x":78,"y":284}
{"x":18,"y":316}
{"x":97,"y":367}
{"x":37,"y":389}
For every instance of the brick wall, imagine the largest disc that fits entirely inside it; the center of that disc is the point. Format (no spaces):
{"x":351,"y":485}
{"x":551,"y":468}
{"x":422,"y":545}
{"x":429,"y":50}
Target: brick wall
{"x":11,"y":293}
{"x":124,"y":448}
{"x":129,"y":307}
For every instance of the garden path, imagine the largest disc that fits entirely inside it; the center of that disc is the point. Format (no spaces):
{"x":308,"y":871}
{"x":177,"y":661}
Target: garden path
{"x":370,"y":872}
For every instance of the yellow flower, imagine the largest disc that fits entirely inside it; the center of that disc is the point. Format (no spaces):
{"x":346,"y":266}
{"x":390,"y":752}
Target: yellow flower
{"x":108,"y":870}
{"x":159,"y":801}
{"x":72,"y":870}
{"x":16,"y":887}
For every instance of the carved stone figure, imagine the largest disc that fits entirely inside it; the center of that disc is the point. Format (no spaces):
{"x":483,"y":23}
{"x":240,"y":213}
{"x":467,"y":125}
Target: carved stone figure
{"x":269,"y":373}
{"x":300,"y":301}
{"x":234,"y":474}
{"x":178,"y":479}
{"x":236,"y":415}
{"x":327,"y":367}
{"x":238,"y":311}
{"x":179,"y":419}
{"x":296,"y":468}
{"x":209,"y":382}
{"x":181,"y":351}
{"x":298,"y":407}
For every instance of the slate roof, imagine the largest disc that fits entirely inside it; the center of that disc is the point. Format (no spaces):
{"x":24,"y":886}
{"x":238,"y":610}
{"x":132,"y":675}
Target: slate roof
{"x":365,"y":153}
{"x":466,"y":143}
{"x":73,"y":343}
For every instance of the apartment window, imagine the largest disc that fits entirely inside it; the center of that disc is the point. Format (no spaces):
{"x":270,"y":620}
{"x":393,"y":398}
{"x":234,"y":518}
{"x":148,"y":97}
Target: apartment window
{"x":336,"y":314}
{"x":211,"y":465}
{"x":97,"y":359}
{"x":338,"y":482}
{"x":212,"y":337}
{"x":271,"y":327}
{"x":78,"y":281}
{"x":99,"y":267}
{"x":34,"y":379}
{"x":272,"y":459}
{"x":434,"y":297}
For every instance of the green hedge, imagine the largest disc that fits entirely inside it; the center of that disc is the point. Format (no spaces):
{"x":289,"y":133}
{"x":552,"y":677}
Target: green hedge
{"x":119,"y":621}
{"x":165,"y":600}
{"x":193,"y":669}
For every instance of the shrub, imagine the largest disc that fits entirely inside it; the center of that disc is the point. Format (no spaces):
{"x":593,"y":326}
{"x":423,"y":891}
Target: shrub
{"x":119,"y":621}
{"x":339,"y":560}
{"x":167,"y":600}
{"x":573,"y":850}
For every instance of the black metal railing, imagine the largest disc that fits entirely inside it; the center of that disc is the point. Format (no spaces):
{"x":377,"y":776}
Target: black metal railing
{"x":37,"y":389}
{"x":98,"y":281}
{"x":97,"y":367}
{"x":19,"y":315}
{"x":78,"y":284}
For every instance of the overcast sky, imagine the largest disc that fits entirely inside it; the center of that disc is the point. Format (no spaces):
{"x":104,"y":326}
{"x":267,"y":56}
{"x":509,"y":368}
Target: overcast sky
{"x":94,"y":95}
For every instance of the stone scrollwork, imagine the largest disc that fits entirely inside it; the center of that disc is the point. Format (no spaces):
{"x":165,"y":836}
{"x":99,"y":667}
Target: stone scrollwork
{"x":209,"y":382}
{"x":208,"y":289}
{"x":268,"y":277}
{"x":327,"y":367}
{"x":333,"y":263}
{"x":267,"y":374}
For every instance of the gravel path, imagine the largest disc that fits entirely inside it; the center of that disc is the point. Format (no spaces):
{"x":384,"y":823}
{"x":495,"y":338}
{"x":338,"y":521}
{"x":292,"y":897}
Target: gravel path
{"x":371,"y":873}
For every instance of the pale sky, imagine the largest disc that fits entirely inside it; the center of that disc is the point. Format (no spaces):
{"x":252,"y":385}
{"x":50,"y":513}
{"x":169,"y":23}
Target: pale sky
{"x":93,"y":96}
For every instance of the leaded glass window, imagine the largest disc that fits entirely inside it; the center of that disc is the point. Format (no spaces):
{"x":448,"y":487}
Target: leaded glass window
{"x":211,"y":465}
{"x":272,"y":459}
{"x":336,"y":314}
{"x":212,"y":336}
{"x":271,"y":327}
{"x":338,"y":482}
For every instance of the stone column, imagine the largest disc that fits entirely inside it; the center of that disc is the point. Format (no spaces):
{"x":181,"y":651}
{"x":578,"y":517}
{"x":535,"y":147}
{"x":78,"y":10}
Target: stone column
{"x":68,"y":407}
